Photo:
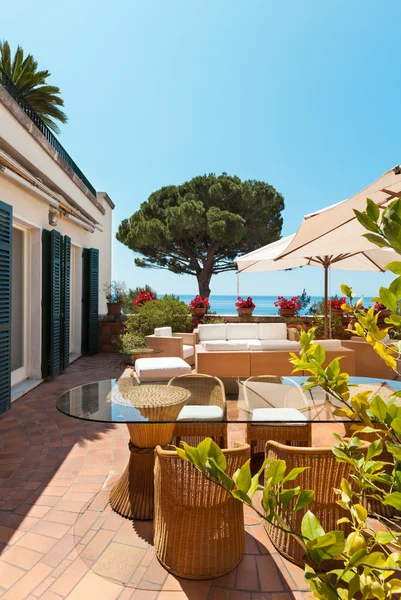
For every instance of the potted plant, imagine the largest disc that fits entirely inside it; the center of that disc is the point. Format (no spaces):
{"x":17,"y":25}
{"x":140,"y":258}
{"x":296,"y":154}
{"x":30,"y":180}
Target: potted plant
{"x":115,"y":292}
{"x":245,"y":307}
{"x":288,"y":306}
{"x":334,"y":306}
{"x":383,"y":311}
{"x":144,"y":296}
{"x":198,"y":306}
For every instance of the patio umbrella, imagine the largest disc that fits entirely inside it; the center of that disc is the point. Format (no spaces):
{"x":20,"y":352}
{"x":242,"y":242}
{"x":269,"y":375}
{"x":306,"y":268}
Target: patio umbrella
{"x":269,"y":258}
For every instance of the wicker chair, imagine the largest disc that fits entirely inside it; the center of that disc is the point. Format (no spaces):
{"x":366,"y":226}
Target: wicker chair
{"x":198,"y":527}
{"x":257,"y":390}
{"x":205,"y":390}
{"x":323,"y":474}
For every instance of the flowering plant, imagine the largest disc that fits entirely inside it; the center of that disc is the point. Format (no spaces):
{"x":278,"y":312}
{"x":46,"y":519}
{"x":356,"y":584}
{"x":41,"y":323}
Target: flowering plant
{"x":378,"y":307}
{"x":143,"y":297}
{"x":336,"y":303}
{"x":242,"y":303}
{"x":199,"y":302}
{"x":288,"y":303}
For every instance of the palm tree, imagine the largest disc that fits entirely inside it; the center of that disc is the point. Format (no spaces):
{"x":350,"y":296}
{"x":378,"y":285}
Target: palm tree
{"x":45,"y":99}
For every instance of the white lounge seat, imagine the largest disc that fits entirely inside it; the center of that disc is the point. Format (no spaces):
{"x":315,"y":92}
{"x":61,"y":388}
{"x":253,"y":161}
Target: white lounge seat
{"x":288,"y":415}
{"x":160,"y":369}
{"x":201,"y":413}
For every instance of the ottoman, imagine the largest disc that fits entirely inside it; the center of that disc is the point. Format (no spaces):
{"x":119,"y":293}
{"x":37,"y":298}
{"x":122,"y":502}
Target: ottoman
{"x":160,"y":369}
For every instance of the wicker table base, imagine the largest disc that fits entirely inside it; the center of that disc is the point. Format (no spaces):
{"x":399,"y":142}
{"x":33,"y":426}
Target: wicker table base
{"x":133,"y":494}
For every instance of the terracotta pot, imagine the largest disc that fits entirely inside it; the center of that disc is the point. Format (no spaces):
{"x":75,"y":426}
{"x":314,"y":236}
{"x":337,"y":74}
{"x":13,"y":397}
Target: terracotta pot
{"x":245,"y":312}
{"x":114,"y":308}
{"x":336,"y":312}
{"x":198,"y":312}
{"x":287,"y":312}
{"x":383,"y":314}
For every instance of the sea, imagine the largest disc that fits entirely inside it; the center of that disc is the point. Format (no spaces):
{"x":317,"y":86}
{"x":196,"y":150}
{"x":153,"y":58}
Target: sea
{"x":225,"y":305}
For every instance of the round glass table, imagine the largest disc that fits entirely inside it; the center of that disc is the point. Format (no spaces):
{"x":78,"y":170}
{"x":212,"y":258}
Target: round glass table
{"x":152,"y":411}
{"x":129,"y":358}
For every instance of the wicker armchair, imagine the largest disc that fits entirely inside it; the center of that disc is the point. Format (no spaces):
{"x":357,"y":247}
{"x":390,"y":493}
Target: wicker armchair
{"x":206,"y":390}
{"x":284,"y":393}
{"x":323,"y":474}
{"x":198,"y":527}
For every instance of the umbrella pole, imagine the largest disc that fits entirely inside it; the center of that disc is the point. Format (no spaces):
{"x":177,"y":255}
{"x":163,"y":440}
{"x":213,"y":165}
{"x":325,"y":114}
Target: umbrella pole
{"x":237,"y":285}
{"x":326,"y":297}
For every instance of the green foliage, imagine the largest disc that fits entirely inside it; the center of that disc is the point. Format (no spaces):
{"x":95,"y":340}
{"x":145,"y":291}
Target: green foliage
{"x":131,"y":340}
{"x":115,"y":291}
{"x":200,"y":227}
{"x":304,"y":301}
{"x":317,"y":308}
{"x":45,"y":99}
{"x":168,"y":311}
{"x":336,"y":325}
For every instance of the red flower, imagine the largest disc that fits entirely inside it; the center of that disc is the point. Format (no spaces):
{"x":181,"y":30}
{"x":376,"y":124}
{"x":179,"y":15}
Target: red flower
{"x":248,"y":303}
{"x":378,"y":307}
{"x":336,"y":304}
{"x":199,"y":302}
{"x":289,"y":304}
{"x":143,"y":297}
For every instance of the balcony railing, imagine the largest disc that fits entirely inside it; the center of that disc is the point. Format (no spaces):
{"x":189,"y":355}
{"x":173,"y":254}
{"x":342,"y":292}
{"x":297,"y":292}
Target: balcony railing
{"x":9,"y":86}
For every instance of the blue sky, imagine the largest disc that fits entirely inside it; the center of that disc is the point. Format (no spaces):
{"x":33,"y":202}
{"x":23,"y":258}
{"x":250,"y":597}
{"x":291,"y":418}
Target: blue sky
{"x":303,"y":95}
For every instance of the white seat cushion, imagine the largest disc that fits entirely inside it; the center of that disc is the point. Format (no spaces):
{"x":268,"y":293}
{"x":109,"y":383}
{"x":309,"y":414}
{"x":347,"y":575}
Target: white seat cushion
{"x":286,"y":415}
{"x":200,"y":413}
{"x":164,"y":331}
{"x":160,"y":369}
{"x":272,"y":331}
{"x":242,"y":331}
{"x":280,"y":345}
{"x":231,"y":345}
{"x":212,"y":332}
{"x":329,"y":344}
{"x":254,"y":345}
{"x":187,"y":351}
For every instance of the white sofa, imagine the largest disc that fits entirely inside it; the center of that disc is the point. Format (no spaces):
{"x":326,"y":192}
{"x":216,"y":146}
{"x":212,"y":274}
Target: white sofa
{"x":246,"y":337}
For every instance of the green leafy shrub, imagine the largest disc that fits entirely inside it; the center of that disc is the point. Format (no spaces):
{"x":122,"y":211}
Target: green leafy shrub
{"x":168,"y":311}
{"x":131,"y":340}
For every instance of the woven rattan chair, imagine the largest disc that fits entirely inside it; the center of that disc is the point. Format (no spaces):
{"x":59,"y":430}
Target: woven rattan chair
{"x":322,"y":475}
{"x":288,"y":394}
{"x":198,"y":527}
{"x":205,"y":391}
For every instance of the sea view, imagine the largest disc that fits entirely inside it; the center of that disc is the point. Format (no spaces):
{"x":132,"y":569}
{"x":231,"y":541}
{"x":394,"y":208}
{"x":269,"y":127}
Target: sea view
{"x":225,"y":305}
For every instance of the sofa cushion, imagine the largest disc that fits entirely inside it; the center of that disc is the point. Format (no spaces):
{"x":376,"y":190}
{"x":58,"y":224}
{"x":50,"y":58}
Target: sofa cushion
{"x":187,"y":351}
{"x":212,"y":332}
{"x":329,"y":344}
{"x":225,"y":345}
{"x":280,"y":345}
{"x":287,"y":415}
{"x":254,"y":345}
{"x":196,"y":412}
{"x":242,"y":331}
{"x":272,"y":331}
{"x":164,"y":331}
{"x":160,"y":369}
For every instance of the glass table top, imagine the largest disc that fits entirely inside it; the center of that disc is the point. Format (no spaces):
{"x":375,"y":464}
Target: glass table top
{"x":196,"y":399}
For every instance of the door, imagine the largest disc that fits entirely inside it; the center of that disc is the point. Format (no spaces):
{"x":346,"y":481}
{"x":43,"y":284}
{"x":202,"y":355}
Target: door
{"x":6,"y":216}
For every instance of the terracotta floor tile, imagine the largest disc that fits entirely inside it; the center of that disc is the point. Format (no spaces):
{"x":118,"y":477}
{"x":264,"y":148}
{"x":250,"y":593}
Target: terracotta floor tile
{"x":94,"y":586}
{"x":42,"y":587}
{"x":59,"y":551}
{"x":20,"y":523}
{"x":51,"y":529}
{"x":84,"y":522}
{"x":32,"y":510}
{"x":269,"y":578}
{"x":155,"y":573}
{"x":235,"y":595}
{"x":96,"y":546}
{"x":247,"y":577}
{"x":118,"y":562}
{"x":9,"y":574}
{"x":34,"y":541}
{"x":61,"y":516}
{"x":21,"y":557}
{"x":9,"y":536}
{"x":28,"y":582}
{"x":219,"y":594}
{"x":68,"y":580}
{"x":49,"y":595}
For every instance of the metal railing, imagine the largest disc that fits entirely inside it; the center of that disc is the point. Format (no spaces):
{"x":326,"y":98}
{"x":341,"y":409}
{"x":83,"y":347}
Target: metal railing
{"x":9,"y":86}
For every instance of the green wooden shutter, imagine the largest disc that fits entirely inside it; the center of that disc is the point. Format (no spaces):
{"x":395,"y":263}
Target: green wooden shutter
{"x":46,"y":303}
{"x":65,"y":301}
{"x":6,"y":229}
{"x":55,"y":300}
{"x":90,"y":300}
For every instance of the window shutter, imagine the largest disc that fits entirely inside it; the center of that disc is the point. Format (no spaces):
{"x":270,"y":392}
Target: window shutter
{"x":65,"y":301}
{"x":90,"y":300}
{"x":46,"y":303}
{"x":55,"y":299}
{"x":6,"y":223}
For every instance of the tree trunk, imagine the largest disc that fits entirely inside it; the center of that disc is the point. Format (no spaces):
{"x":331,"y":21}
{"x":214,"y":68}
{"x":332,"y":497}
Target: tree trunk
{"x":203,"y":283}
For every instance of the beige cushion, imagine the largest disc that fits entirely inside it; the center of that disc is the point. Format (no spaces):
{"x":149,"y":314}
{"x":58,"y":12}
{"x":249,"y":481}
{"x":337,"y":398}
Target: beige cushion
{"x":272,"y":331}
{"x":188,"y":351}
{"x":160,"y":369}
{"x":287,"y":415}
{"x":195,"y":412}
{"x":163,"y":331}
{"x":329,"y":344}
{"x":242,"y":331}
{"x":231,"y":345}
{"x":254,"y":345}
{"x":212,"y":332}
{"x":280,"y":345}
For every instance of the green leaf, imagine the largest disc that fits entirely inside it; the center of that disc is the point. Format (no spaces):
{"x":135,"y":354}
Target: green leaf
{"x":255,"y":479}
{"x":375,"y":449}
{"x":304,"y":499}
{"x":393,"y":499}
{"x":386,"y":537}
{"x":377,"y":240}
{"x":293,"y":474}
{"x":395,"y":288}
{"x":240,"y":495}
{"x":243,"y":478}
{"x":378,"y":408}
{"x":361,"y":512}
{"x":193,"y":456}
{"x":310,"y":526}
{"x":366,"y":221}
{"x":346,"y":290}
{"x":286,"y":496}
{"x":276,"y":471}
{"x":372,"y":210}
{"x":215,"y":471}
{"x":394,"y":449}
{"x":394,"y":267}
{"x":388,"y":299}
{"x":329,"y":545}
{"x":396,"y":425}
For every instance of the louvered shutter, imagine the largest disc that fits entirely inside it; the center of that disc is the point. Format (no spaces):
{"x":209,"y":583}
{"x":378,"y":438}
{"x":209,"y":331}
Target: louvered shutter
{"x":46,"y":303}
{"x":55,"y":300}
{"x":6,"y":221}
{"x":90,"y":300}
{"x":65,"y":301}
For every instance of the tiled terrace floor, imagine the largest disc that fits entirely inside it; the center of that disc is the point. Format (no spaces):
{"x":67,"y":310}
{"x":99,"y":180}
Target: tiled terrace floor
{"x":59,"y":537}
